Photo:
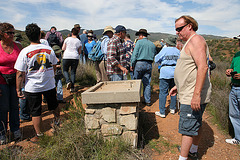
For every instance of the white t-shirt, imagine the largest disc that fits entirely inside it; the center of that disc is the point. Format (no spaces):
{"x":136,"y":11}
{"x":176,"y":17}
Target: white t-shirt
{"x":44,"y":41}
{"x":72,"y":46}
{"x":36,"y":61}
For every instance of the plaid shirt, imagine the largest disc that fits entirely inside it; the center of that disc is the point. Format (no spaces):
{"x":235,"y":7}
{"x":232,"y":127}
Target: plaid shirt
{"x":115,"y":55}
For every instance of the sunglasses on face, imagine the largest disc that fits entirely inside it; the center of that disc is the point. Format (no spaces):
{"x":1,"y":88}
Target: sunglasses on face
{"x":180,"y":28}
{"x":10,"y":33}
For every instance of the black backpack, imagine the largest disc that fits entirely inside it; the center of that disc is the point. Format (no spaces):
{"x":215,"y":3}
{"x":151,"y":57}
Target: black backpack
{"x":53,"y":39}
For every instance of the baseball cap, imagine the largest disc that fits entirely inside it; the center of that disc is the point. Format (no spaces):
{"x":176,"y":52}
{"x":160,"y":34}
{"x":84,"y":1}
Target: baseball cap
{"x":120,"y":28}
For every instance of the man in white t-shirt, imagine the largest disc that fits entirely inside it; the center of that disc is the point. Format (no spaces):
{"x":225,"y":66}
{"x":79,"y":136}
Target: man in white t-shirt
{"x":36,"y":64}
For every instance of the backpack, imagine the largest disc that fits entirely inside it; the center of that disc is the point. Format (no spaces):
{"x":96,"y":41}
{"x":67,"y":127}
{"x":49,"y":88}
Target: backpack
{"x":96,"y":53}
{"x":53,"y":39}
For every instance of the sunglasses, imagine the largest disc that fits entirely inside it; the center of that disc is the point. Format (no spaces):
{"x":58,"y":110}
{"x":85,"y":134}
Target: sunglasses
{"x":10,"y":33}
{"x":180,"y":28}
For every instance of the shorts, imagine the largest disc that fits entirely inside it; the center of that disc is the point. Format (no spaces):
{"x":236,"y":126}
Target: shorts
{"x":190,"y":121}
{"x":34,"y":101}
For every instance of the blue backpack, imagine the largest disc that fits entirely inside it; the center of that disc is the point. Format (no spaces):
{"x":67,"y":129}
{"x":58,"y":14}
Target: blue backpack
{"x":96,"y":53}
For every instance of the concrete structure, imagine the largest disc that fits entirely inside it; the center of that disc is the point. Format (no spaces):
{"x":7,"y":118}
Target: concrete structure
{"x":112,"y":109}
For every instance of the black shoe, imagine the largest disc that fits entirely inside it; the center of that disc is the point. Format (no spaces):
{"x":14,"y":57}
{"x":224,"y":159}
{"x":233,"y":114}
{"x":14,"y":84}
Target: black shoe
{"x":148,"y":104}
{"x":193,"y":156}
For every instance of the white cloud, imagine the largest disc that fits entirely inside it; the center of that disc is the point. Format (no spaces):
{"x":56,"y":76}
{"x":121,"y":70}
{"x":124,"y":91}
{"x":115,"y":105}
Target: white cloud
{"x":154,"y":15}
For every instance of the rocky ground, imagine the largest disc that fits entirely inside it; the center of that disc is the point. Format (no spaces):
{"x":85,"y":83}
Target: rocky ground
{"x":159,"y":136}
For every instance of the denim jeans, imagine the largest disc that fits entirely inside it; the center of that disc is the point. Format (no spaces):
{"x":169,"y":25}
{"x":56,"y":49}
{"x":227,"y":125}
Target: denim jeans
{"x":67,"y":63}
{"x":24,"y":111}
{"x":164,"y":86}
{"x":116,"y":77}
{"x":59,"y":88}
{"x":9,"y":103}
{"x":234,"y":110}
{"x":143,"y":70}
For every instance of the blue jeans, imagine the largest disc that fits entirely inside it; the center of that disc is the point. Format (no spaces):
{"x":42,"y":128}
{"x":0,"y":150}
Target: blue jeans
{"x":234,"y":110}
{"x":143,"y":70}
{"x":59,"y":88}
{"x":164,"y":86}
{"x":116,"y":77}
{"x":9,"y":103}
{"x":67,"y":63}
{"x":24,"y":111}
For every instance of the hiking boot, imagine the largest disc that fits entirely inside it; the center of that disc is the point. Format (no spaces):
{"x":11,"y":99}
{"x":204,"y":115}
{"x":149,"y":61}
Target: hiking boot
{"x":3,"y":140}
{"x":69,"y":84}
{"x":172,"y":111}
{"x":17,"y":135}
{"x":232,"y":141}
{"x":159,"y":114}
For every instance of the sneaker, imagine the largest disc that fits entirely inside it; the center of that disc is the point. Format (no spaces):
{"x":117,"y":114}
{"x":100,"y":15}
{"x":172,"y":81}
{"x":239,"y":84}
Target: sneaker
{"x":3,"y":140}
{"x":69,"y":84}
{"x":17,"y":135}
{"x":159,"y":114}
{"x":232,"y":141}
{"x":172,"y":111}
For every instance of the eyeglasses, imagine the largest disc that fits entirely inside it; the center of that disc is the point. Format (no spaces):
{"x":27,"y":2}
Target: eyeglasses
{"x":180,"y":28}
{"x":10,"y":33}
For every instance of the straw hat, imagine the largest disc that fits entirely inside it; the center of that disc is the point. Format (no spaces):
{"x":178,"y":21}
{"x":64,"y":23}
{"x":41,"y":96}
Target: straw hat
{"x":108,"y":28}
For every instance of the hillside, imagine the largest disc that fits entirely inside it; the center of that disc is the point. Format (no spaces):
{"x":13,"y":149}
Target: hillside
{"x":223,"y":49}
{"x":154,"y":36}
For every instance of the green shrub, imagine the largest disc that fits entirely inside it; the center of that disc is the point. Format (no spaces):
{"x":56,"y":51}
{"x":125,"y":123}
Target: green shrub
{"x":72,"y":142}
{"x":218,"y":106}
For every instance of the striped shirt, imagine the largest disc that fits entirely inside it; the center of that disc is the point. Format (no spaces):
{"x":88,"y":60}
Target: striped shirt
{"x":115,"y":55}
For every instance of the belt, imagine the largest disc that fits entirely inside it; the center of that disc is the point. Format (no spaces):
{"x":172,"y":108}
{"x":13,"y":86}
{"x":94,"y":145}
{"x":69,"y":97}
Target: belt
{"x":235,"y":84}
{"x":145,"y":60}
{"x":168,"y":65}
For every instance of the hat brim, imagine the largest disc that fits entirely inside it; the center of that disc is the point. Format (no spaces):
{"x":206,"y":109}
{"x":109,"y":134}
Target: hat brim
{"x":113,"y":31}
{"x":170,"y":43}
{"x":137,"y":34}
{"x":237,"y":37}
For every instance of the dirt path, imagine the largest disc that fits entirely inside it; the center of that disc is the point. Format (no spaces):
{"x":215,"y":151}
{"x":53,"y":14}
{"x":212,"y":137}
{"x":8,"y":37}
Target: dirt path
{"x":162,"y":133}
{"x":212,"y":146}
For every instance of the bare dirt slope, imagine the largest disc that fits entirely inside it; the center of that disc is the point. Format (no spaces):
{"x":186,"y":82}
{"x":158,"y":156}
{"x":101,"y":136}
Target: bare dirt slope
{"x":162,"y":131}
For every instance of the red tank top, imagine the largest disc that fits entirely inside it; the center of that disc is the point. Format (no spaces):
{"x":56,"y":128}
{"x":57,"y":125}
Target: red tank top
{"x":7,"y":61}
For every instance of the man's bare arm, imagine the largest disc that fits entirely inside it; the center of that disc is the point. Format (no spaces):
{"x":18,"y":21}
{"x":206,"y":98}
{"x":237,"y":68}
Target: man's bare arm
{"x":197,"y":48}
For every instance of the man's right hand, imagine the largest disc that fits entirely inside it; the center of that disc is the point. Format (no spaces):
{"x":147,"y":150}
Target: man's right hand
{"x":228,"y":72}
{"x":173,"y":91}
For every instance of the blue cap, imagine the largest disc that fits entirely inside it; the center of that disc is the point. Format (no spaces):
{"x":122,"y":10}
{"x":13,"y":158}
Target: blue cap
{"x":120,"y":28}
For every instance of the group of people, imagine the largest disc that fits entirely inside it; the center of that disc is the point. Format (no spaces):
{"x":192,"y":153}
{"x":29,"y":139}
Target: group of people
{"x":30,"y":73}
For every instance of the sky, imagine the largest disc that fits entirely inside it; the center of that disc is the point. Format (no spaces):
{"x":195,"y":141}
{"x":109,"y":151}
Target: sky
{"x":215,"y":17}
